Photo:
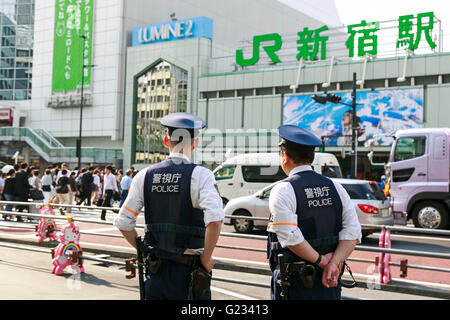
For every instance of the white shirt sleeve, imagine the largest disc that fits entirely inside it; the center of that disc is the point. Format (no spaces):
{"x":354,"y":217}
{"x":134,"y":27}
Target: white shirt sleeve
{"x":351,"y":228}
{"x":131,"y":208}
{"x":283,"y":207}
{"x":205,"y":196}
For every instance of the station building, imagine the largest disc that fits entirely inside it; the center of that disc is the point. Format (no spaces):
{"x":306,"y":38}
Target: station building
{"x":244,"y":103}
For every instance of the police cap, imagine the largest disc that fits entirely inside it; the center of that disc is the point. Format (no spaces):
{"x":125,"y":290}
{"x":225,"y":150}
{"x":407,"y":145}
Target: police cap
{"x":183,"y":120}
{"x":299,"y":136}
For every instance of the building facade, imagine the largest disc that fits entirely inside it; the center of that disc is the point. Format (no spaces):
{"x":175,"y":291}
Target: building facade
{"x":244,"y":104}
{"x":16,"y":47}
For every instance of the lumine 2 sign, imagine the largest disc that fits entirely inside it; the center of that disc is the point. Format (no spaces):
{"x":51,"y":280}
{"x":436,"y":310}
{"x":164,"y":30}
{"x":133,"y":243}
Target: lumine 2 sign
{"x":174,"y":30}
{"x":362,"y":40}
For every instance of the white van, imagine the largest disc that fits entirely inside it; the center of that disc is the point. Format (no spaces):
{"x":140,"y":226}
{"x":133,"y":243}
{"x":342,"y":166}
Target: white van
{"x":245,"y":174}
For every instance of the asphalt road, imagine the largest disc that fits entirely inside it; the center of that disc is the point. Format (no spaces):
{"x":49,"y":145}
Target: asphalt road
{"x":27,"y":275}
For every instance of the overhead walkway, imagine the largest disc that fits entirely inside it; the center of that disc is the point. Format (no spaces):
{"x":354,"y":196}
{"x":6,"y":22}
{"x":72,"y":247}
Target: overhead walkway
{"x":50,"y":149}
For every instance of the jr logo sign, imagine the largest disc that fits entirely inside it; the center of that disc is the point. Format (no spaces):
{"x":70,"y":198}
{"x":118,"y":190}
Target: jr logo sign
{"x":270,"y":49}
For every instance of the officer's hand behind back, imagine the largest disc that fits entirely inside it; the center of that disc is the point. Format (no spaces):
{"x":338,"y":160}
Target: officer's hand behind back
{"x":207,"y":263}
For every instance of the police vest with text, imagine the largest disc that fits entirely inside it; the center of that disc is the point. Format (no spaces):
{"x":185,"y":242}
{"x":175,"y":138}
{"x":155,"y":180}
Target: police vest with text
{"x":172,"y":224}
{"x":319,"y":214}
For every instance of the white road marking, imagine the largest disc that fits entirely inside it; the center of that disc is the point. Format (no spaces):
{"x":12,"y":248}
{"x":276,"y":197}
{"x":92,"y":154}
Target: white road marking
{"x":232,"y":294}
{"x":430,"y":284}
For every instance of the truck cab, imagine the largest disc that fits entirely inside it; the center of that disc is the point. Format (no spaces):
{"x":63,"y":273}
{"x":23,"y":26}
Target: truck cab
{"x":419,"y":177}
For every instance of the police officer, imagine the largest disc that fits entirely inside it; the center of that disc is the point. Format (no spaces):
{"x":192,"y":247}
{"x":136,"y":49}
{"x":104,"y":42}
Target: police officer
{"x":312,"y":220}
{"x":183,"y":213}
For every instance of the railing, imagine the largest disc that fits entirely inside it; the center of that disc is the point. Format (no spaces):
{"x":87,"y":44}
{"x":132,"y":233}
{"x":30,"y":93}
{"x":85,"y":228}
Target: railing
{"x":51,"y":149}
{"x":242,"y":236}
{"x":52,"y":141}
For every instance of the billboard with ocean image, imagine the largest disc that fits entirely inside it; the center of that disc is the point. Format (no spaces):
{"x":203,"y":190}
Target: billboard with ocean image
{"x":379,"y":115}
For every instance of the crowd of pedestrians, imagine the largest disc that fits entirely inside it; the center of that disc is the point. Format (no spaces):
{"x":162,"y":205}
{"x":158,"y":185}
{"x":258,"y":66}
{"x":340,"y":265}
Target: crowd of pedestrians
{"x":100,"y":186}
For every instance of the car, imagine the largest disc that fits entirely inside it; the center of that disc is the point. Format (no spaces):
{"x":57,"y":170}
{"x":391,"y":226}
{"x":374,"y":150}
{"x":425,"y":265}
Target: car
{"x":372,"y":207}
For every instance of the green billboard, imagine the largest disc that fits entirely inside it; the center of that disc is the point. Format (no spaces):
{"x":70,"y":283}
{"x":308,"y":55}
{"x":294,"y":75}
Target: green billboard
{"x":73,"y":44}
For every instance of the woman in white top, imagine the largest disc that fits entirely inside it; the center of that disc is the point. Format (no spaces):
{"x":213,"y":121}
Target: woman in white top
{"x":96,"y":186}
{"x":47,"y":185}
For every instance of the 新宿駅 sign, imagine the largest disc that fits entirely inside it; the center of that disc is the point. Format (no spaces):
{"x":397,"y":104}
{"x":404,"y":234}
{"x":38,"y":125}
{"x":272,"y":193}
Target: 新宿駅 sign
{"x":174,"y":30}
{"x":73,"y":19}
{"x":362,"y":40}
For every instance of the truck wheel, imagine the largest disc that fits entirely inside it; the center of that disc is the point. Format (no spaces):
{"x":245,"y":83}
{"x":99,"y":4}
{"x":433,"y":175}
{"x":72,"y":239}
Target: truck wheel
{"x":242,"y":225}
{"x":430,"y":215}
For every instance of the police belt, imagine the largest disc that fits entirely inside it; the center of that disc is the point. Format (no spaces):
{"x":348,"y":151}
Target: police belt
{"x":190,"y":260}
{"x":326,"y":243}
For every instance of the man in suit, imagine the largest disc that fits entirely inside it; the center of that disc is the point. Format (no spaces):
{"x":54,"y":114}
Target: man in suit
{"x":86,"y":181}
{"x":22,"y":188}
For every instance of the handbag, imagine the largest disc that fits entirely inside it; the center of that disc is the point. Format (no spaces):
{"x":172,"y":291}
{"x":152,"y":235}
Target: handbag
{"x":36,"y":194}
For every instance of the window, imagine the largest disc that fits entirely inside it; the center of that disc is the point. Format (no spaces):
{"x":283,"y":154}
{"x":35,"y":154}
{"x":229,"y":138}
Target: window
{"x":266,"y":193}
{"x":409,"y":148}
{"x":331,"y":171}
{"x":149,"y":133}
{"x":226,"y":172}
{"x":361,"y":191}
{"x":262,"y":174}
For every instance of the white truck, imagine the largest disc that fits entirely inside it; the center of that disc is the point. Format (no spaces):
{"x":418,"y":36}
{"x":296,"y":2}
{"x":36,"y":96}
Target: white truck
{"x":418,"y":175}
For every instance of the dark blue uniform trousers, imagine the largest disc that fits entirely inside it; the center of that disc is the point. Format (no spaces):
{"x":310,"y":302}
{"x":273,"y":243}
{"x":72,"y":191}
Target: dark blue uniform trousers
{"x":171,"y":283}
{"x":298,"y":292}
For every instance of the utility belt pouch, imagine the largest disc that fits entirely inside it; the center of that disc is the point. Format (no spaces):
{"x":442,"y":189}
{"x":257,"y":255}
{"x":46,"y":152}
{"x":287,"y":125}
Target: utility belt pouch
{"x":308,"y":276}
{"x":200,"y":282}
{"x":306,"y":273}
{"x":154,"y":264}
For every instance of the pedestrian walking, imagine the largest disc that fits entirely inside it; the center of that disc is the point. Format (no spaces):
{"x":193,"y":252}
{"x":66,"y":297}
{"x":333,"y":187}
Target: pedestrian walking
{"x":22,"y":189}
{"x":47,"y":185}
{"x":96,"y":187}
{"x":125,"y":186}
{"x":64,"y":192}
{"x":109,"y":187}
{"x":86,"y":186}
{"x":8,"y":191}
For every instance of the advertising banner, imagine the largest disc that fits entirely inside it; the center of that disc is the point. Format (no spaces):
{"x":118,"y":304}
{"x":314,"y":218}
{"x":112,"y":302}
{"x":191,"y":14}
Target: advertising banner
{"x":379,"y":114}
{"x":73,"y":19}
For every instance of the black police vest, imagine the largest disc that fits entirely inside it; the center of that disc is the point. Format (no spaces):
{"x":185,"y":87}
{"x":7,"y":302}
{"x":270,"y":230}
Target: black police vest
{"x":172,"y":224}
{"x":319,"y":214}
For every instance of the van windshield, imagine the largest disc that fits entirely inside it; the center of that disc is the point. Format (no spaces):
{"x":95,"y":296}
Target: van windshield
{"x":262,"y":174}
{"x":225,"y":172}
{"x":331,"y":171}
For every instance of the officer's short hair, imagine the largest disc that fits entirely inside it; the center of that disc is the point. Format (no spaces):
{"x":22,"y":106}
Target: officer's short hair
{"x":298,"y":153}
{"x":176,"y":135}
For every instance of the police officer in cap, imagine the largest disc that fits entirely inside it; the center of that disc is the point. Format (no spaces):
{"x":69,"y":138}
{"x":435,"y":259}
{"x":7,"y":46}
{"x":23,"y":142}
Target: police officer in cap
{"x":312,"y":220}
{"x":183,"y":213}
